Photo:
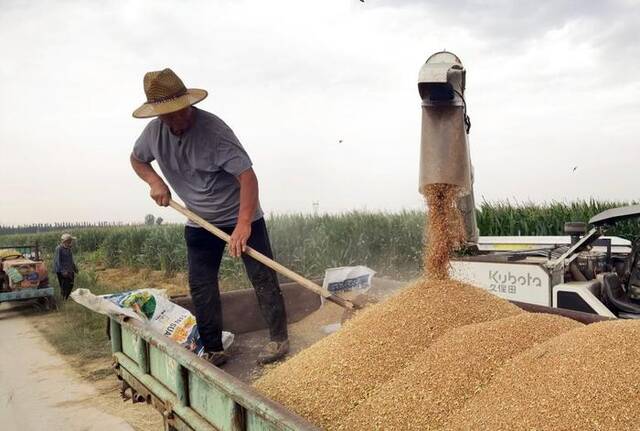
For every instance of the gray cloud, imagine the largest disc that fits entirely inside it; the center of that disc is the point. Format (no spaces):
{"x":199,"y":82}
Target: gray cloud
{"x":508,"y":19}
{"x":607,"y":25}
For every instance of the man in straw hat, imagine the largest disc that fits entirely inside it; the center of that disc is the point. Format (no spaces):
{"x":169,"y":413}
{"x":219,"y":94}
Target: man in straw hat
{"x":206,"y":166}
{"x":64,"y":265}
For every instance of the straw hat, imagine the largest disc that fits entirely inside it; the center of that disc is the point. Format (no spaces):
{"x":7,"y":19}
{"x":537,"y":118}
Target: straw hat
{"x":165,"y":94}
{"x":67,"y":237}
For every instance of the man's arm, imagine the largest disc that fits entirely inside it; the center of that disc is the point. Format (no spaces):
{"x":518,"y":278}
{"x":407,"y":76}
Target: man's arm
{"x":248,"y":205}
{"x":159,"y":191}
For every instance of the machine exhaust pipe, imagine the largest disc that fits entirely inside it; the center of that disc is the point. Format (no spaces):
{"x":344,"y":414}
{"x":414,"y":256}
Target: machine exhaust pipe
{"x":444,"y":147}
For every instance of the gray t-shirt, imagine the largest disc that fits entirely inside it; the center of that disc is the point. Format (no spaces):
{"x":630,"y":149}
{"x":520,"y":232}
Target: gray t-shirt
{"x":201,"y":165}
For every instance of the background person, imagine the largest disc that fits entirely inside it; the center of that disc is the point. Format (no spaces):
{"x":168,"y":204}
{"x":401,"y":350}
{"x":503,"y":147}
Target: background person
{"x":64,"y":266}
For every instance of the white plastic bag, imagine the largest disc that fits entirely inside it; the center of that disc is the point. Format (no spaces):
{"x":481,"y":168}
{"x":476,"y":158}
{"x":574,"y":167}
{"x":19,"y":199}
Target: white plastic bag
{"x":153,"y":307}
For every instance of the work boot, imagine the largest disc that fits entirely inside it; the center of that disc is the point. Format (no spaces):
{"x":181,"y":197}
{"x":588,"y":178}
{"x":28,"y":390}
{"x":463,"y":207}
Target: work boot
{"x":216,"y":358}
{"x":273,"y":351}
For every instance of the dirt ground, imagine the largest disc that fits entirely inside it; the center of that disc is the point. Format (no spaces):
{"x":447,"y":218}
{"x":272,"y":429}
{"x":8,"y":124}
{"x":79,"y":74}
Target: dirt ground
{"x":40,"y":390}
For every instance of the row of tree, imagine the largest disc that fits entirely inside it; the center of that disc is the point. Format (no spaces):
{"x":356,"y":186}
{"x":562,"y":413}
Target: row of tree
{"x":149,"y":219}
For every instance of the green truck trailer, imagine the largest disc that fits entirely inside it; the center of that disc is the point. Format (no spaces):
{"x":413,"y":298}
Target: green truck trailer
{"x":190,"y":393}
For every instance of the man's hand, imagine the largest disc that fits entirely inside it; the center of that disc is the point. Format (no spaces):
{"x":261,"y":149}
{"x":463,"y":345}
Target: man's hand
{"x":239,"y":238}
{"x":159,"y":190}
{"x":248,"y":204}
{"x":160,"y":193}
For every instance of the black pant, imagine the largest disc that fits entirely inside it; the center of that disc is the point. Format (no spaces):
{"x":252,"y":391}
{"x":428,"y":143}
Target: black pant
{"x":66,"y":283}
{"x":204,"y":253}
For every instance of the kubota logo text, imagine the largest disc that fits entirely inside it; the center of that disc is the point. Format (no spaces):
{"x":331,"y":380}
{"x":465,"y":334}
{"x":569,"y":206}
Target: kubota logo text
{"x":509,"y":278}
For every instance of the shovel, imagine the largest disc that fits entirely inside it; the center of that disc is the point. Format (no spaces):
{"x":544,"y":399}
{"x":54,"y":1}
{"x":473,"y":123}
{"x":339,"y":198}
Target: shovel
{"x":265,"y":260}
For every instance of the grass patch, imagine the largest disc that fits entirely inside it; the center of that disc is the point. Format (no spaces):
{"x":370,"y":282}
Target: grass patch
{"x":75,"y":330}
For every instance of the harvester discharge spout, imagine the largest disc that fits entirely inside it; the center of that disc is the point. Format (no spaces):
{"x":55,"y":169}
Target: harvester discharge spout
{"x":444,"y":149}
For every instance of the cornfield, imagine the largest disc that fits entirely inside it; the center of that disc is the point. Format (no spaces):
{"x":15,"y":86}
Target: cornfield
{"x":390,"y":243}
{"x":507,"y":218}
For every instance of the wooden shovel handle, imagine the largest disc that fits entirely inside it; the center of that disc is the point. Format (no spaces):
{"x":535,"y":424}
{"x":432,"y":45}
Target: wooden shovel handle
{"x":262,"y":258}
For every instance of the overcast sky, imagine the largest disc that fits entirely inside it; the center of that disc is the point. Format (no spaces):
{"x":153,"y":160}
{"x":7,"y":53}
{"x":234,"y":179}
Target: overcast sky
{"x":551,"y":85}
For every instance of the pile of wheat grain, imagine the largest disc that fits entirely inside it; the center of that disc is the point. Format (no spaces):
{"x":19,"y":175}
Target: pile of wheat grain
{"x":456,"y":367}
{"x":586,"y":379}
{"x":325,"y":382}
